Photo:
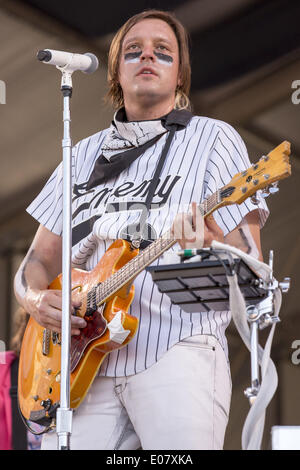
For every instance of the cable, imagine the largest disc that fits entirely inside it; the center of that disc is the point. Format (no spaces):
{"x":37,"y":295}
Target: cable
{"x":36,"y":433}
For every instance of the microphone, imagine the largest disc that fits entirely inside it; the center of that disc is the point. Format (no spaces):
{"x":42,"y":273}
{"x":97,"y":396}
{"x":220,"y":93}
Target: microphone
{"x":87,"y":62}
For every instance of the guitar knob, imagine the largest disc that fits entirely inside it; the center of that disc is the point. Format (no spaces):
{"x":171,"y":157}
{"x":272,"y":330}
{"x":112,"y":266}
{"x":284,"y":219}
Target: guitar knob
{"x":46,"y":404}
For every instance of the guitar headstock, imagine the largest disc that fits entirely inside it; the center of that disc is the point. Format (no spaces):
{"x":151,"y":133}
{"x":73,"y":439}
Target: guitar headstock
{"x":262,"y":175}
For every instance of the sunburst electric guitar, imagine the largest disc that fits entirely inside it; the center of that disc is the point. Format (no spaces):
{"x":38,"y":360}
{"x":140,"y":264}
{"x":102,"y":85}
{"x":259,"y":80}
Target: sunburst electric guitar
{"x":106,"y":293}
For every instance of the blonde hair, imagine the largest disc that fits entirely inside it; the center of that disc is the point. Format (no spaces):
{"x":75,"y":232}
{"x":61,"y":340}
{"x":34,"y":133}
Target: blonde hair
{"x":115,"y":93}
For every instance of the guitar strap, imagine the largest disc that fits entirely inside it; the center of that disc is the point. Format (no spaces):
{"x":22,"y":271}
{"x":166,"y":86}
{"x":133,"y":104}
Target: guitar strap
{"x":137,"y":239}
{"x":104,"y":170}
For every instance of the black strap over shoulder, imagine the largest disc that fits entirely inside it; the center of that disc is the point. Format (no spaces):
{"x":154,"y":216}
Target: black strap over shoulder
{"x":104,"y":170}
{"x":137,"y":237}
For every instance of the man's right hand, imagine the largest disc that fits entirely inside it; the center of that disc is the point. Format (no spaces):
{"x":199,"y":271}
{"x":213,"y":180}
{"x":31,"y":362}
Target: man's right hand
{"x":46,"y":308}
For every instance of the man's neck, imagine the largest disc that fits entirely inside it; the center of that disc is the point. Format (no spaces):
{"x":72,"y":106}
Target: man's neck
{"x":135,"y":112}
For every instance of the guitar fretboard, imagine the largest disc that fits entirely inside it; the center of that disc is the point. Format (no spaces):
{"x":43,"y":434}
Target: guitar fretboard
{"x":135,"y":266}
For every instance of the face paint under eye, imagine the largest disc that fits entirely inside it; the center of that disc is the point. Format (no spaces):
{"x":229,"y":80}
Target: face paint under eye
{"x":132,"y":57}
{"x":164,"y":58}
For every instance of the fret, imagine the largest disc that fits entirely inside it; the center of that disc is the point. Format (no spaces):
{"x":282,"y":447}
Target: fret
{"x":212,"y":201}
{"x":209,"y":203}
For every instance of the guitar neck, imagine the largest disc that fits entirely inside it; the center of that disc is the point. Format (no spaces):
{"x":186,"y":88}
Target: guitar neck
{"x":261,"y":175}
{"x":134,"y":267}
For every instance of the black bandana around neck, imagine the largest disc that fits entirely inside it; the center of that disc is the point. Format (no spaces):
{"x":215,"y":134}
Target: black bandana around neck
{"x":126,"y":141}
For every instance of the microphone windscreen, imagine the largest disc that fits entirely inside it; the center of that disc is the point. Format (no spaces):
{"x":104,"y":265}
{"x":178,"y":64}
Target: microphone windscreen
{"x":44,"y":56}
{"x":94,"y":64}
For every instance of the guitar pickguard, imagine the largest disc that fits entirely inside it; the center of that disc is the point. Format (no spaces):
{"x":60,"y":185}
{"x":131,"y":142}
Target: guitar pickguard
{"x":96,"y":327}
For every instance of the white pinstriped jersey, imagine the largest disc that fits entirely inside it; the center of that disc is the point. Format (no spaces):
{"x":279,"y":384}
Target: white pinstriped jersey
{"x":202,"y":158}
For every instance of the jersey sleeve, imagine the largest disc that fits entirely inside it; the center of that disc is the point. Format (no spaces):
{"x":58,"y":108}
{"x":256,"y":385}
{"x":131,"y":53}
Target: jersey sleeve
{"x":228,"y":157}
{"x":46,"y":208}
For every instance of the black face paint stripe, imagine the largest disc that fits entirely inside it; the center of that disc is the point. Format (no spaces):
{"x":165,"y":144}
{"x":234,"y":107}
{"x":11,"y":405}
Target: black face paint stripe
{"x":164,"y":57}
{"x":132,"y":55}
{"x":159,"y":55}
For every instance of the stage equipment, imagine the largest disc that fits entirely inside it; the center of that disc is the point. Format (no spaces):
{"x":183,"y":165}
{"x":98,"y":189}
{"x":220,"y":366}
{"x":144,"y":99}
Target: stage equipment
{"x":105,"y":294}
{"x":226,"y":278}
{"x":67,"y":63}
{"x":285,"y":437}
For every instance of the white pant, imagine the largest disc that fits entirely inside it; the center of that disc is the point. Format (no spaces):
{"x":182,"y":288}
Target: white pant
{"x":181,"y":402}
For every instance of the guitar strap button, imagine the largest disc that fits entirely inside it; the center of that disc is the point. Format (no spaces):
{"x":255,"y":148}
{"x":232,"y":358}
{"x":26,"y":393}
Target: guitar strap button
{"x":136,"y":243}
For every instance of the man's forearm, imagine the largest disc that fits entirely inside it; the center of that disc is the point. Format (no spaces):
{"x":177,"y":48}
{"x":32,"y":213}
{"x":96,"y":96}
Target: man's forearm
{"x":31,"y":276}
{"x":246,"y":236}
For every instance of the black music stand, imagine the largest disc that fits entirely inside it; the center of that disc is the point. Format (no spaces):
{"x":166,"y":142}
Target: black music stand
{"x":203,"y":286}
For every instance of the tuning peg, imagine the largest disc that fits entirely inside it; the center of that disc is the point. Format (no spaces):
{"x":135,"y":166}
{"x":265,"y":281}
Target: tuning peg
{"x":265,"y":193}
{"x":273,"y":188}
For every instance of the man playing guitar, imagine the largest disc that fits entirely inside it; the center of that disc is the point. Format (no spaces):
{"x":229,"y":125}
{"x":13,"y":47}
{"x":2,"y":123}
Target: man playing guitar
{"x":170,"y":387}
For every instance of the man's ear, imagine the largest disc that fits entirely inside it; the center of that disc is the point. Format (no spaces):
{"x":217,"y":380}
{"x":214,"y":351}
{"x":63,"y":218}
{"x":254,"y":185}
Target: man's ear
{"x":179,"y":80}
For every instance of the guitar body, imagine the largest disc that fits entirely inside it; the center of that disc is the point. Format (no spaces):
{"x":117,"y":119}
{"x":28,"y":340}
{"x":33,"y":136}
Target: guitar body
{"x":40,"y":357}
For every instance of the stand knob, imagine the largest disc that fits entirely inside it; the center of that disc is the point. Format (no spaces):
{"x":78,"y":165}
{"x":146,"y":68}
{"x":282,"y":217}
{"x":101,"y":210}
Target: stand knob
{"x":252,"y":312}
{"x":285,"y":284}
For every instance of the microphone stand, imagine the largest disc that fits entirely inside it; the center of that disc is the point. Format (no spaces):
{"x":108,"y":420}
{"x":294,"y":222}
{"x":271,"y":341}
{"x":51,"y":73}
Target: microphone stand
{"x":64,"y":412}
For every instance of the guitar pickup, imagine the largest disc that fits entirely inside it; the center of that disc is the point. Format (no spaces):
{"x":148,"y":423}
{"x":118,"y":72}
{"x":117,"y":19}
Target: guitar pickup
{"x":89,"y":312}
{"x":46,"y":342}
{"x":92,"y":301}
